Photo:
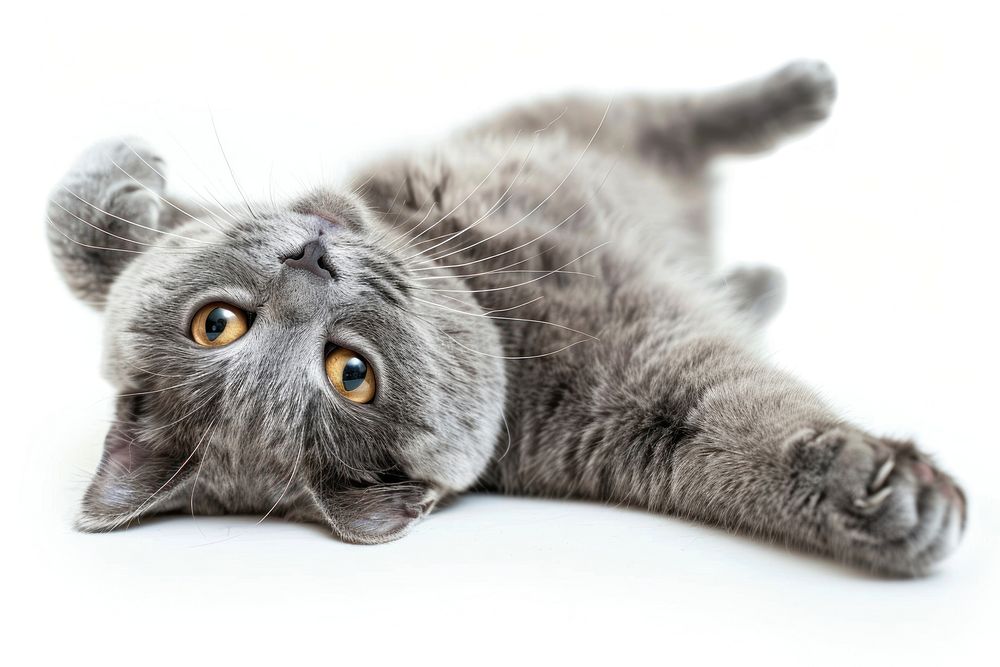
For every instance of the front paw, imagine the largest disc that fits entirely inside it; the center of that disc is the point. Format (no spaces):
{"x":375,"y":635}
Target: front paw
{"x":884,"y":505}
{"x":125,"y":176}
{"x":111,"y":198}
{"x":122,"y":159}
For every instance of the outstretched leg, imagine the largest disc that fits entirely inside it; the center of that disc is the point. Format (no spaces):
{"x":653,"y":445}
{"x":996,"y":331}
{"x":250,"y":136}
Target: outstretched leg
{"x":686,"y":130}
{"x":109,"y":207}
{"x":704,"y":429}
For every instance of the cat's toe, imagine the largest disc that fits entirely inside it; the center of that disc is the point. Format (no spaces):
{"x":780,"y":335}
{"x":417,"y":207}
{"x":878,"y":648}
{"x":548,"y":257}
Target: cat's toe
{"x":888,"y":507}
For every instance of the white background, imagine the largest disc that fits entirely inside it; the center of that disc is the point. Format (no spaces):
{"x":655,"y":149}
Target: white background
{"x":885,"y":222}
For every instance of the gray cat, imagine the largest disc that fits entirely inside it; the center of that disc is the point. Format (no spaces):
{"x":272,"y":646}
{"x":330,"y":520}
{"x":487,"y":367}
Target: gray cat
{"x":530,"y":308}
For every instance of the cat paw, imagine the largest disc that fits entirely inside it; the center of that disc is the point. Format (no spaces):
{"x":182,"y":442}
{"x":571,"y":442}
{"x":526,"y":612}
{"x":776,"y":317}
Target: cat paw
{"x":885,"y":505}
{"x":123,"y":158}
{"x":125,"y":173}
{"x":806,"y":87}
{"x":112,"y":197}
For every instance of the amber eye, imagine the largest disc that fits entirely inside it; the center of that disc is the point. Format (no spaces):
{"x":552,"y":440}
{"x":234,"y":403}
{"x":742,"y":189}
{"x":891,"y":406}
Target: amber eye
{"x":218,"y":324}
{"x":351,"y":375}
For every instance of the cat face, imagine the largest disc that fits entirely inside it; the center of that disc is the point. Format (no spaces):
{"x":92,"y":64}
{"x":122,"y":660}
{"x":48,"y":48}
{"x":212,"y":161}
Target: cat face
{"x":285,"y":367}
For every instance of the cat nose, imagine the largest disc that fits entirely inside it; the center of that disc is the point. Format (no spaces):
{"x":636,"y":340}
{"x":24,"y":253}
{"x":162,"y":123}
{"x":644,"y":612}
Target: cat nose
{"x":312,"y":259}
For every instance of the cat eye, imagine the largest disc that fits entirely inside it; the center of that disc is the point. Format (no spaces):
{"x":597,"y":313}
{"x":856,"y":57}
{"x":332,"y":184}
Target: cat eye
{"x":218,"y":324}
{"x":350,"y":375}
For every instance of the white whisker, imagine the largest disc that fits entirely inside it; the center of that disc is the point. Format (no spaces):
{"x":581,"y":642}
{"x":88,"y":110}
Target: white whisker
{"x":130,"y":222}
{"x":506,"y":319}
{"x":540,"y":204}
{"x":497,"y":356}
{"x":230,"y":167}
{"x":414,"y":227}
{"x":161,"y":175}
{"x":295,"y":467}
{"x":197,"y":476}
{"x":468,"y":196}
{"x":133,"y":514}
{"x":510,"y":358}
{"x":527,"y":282}
{"x":526,"y":243}
{"x":233,"y":217}
{"x":155,"y":251}
{"x":164,"y":199}
{"x":490,"y":211}
{"x":520,"y":305}
{"x":103,"y":231}
{"x":497,"y":271}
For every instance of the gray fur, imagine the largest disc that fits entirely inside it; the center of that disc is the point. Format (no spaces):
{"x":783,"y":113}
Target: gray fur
{"x":456,"y":272}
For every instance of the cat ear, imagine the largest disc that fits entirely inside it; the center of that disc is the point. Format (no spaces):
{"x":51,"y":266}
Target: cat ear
{"x":376,"y":513}
{"x":131,"y":480}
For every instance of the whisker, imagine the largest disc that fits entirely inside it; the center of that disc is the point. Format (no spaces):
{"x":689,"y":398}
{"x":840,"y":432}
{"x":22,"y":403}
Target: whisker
{"x":207,"y":179}
{"x":496,"y":271}
{"x":504,"y":310}
{"x":161,"y":175}
{"x":139,"y":368}
{"x":356,"y":190}
{"x":295,"y":467}
{"x":201,"y":405}
{"x":455,"y":299}
{"x":496,"y":356}
{"x":490,"y":211}
{"x":510,"y":438}
{"x":130,"y":222}
{"x":527,"y":243}
{"x":233,"y":217}
{"x":347,"y":465}
{"x":164,"y":199}
{"x":540,"y":204}
{"x":103,"y":231}
{"x":499,"y":201}
{"x":412,"y":229}
{"x":402,"y":182}
{"x":197,"y":476}
{"x":527,"y":282}
{"x":468,"y":196}
{"x":510,"y":358}
{"x":554,"y":120}
{"x":194,"y":379}
{"x":230,"y":166}
{"x":155,"y":251}
{"x":507,"y":319}
{"x":133,"y":514}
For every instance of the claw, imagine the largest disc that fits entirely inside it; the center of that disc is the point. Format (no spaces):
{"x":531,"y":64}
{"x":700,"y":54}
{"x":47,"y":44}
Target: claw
{"x":883,"y":474}
{"x":875,"y":500}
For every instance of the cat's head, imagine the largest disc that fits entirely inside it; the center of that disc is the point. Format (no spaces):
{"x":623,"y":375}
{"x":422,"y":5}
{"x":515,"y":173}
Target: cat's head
{"x":290,"y":364}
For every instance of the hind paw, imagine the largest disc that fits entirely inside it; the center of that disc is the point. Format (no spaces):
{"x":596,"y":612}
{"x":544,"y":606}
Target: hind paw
{"x":805,"y":89}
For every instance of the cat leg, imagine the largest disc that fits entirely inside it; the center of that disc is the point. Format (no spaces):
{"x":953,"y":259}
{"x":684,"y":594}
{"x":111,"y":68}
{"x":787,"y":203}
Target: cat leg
{"x":765,"y":456}
{"x":108,"y":208}
{"x":710,"y":432}
{"x":686,"y":130}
